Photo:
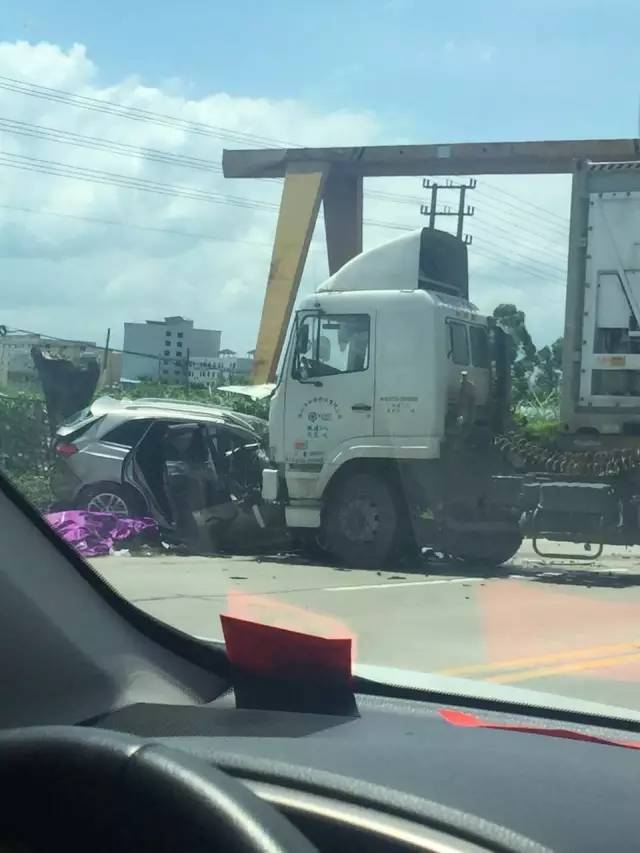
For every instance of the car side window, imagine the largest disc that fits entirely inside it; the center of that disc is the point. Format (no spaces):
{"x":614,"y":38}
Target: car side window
{"x":458,"y":343}
{"x":128,"y":433}
{"x":479,"y":346}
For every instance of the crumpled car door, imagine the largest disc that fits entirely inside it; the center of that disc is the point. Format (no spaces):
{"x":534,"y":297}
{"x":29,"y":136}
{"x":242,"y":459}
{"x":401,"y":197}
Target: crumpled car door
{"x":197,"y":490}
{"x":133,"y":475}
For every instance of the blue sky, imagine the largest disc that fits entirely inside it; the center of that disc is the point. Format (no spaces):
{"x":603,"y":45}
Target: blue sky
{"x":458,"y":71}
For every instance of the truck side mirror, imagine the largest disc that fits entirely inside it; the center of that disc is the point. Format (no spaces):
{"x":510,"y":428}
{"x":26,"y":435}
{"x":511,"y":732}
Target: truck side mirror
{"x":302,"y":341}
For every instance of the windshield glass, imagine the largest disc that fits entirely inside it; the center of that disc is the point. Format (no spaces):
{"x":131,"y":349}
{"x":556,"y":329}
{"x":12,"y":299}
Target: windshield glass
{"x":448,"y":470}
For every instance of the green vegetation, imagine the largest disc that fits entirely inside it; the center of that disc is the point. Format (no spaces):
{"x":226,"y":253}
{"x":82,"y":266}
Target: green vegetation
{"x":535,"y":378}
{"x":197,"y":394}
{"x":24,"y":445}
{"x":535,"y":373}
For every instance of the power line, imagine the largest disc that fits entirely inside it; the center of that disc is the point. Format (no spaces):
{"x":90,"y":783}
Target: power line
{"x":500,"y":258}
{"x":517,"y":266}
{"x":42,"y":335}
{"x":124,"y":224}
{"x":523,"y":201}
{"x":501,"y":216}
{"x":553,"y":256}
{"x":102,"y":105}
{"x":533,"y":264}
{"x":563,"y":220}
{"x":53,"y":167}
{"x":22,"y":87}
{"x":124,"y":181}
{"x":79,"y":140}
{"x":507,"y":216}
{"x":202,"y":236}
{"x":51,"y":134}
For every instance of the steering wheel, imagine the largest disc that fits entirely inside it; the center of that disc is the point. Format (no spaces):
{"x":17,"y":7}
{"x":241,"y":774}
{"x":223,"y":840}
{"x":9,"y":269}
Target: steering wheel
{"x":91,"y":789}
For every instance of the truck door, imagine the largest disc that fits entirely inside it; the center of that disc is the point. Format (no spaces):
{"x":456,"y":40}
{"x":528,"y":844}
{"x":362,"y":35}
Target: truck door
{"x":468,"y":350}
{"x":330,"y":386}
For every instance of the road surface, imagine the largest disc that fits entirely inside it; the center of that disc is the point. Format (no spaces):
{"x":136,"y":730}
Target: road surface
{"x":550,"y":625}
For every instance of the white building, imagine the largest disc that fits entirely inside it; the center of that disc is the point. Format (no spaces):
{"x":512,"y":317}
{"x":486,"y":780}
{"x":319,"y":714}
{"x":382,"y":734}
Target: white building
{"x":159,"y":349}
{"x":223,"y":368}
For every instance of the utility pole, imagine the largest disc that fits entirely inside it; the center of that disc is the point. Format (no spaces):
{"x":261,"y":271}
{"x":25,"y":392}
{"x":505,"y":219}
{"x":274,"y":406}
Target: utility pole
{"x":463,"y":209}
{"x":187,"y":367}
{"x":105,"y":353}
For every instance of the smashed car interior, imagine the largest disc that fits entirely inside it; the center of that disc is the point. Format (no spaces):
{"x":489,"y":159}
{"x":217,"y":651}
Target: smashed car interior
{"x":201,"y":482}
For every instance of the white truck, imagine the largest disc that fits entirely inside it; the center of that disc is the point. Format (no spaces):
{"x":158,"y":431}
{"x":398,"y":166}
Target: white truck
{"x":389,"y":423}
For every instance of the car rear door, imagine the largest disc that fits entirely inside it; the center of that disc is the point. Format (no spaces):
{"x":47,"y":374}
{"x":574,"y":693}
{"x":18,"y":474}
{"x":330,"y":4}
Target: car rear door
{"x":135,"y":471}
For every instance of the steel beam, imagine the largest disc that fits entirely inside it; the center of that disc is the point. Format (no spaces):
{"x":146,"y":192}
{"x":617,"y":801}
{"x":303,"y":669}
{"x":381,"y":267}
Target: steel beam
{"x":336,"y":174}
{"x":464,"y":158}
{"x":301,"y":196}
{"x":342,"y":203}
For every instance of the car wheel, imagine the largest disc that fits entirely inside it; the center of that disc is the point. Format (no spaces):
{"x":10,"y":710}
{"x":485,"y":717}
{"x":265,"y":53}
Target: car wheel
{"x":112,"y":498}
{"x":361,"y":521}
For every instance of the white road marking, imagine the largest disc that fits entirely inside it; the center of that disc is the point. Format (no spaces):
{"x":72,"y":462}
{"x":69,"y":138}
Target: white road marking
{"x":383,"y":585}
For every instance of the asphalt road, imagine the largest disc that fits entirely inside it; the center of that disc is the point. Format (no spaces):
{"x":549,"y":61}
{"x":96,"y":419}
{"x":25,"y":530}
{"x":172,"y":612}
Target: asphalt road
{"x":550,"y":625}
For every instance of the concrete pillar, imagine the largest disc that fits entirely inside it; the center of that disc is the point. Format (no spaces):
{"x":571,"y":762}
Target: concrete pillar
{"x":342,"y":202}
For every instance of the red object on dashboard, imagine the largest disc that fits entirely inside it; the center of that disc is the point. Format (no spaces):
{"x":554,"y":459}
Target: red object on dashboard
{"x":466,"y":720}
{"x":267,"y":651}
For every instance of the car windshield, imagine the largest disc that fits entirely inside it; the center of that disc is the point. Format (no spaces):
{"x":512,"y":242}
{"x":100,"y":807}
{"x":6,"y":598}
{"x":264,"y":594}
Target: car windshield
{"x":422,"y":222}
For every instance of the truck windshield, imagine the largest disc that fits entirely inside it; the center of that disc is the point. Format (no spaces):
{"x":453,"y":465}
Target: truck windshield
{"x":331,"y":344}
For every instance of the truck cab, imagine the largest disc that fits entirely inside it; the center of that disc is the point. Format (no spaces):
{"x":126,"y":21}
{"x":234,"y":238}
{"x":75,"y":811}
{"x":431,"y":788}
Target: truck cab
{"x":384,"y":362}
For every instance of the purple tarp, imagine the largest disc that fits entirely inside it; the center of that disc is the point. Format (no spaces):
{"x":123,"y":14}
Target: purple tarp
{"x":93,"y":534}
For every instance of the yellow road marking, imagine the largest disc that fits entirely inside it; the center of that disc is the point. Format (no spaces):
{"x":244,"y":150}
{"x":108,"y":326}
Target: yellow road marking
{"x":519,"y":663}
{"x":542,"y":672}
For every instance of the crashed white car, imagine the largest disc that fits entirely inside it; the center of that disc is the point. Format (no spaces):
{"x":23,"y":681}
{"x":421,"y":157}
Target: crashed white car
{"x":195,"y":468}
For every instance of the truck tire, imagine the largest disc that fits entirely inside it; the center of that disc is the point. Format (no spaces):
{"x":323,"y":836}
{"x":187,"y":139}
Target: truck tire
{"x":310,"y":543}
{"x":484,"y":550}
{"x":360,"y":526}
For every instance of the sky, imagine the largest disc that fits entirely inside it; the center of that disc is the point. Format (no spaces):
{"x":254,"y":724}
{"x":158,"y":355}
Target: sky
{"x":79,"y":254}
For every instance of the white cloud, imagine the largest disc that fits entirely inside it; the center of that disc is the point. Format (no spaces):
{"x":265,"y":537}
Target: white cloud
{"x":72,"y":277}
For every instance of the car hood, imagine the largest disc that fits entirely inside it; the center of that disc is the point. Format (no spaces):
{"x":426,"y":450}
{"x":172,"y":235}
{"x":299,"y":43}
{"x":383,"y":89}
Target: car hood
{"x":254,"y":392}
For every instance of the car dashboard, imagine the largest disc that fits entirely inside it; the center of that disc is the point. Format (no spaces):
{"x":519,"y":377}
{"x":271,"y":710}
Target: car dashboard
{"x":397,"y":776}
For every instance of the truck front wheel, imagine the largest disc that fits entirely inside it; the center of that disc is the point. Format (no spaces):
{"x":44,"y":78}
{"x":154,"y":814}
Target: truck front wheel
{"x":361,"y":521}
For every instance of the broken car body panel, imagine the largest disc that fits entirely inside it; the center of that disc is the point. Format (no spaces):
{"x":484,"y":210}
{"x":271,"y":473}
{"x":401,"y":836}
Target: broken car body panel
{"x":198,"y":477}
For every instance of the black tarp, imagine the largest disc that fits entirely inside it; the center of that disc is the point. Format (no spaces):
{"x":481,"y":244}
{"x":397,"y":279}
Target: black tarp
{"x":67,"y":387}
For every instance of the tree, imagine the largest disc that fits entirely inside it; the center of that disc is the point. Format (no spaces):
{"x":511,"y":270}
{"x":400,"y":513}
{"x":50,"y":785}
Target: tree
{"x":521,"y":349}
{"x":531,"y":369}
{"x":549,"y":368}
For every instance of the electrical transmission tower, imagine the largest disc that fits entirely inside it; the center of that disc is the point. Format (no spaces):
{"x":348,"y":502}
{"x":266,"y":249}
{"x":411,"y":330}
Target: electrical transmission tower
{"x":463,"y":209}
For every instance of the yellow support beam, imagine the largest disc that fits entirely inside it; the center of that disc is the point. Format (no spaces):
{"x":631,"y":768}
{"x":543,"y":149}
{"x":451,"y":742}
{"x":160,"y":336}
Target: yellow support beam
{"x":301,"y":196}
